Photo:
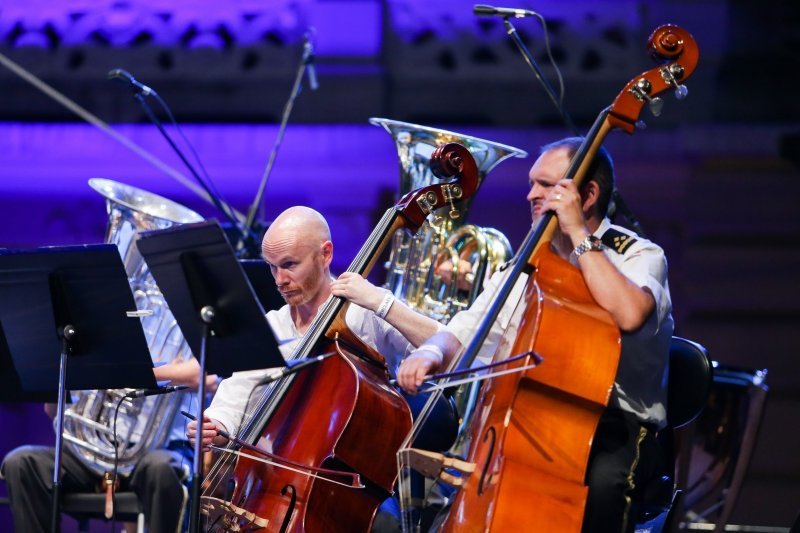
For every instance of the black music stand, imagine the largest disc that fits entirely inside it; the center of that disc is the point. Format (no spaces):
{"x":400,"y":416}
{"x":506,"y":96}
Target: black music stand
{"x":213,"y":302}
{"x":11,"y":389}
{"x":73,"y":301}
{"x":263,"y":284}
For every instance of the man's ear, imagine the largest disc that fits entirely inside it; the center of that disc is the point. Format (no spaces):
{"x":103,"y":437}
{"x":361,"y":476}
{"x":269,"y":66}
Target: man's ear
{"x":590,"y":194}
{"x":327,"y":252}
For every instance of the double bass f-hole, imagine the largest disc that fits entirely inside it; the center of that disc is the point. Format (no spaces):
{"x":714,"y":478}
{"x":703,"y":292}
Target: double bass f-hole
{"x":489,"y":457}
{"x":292,"y":502}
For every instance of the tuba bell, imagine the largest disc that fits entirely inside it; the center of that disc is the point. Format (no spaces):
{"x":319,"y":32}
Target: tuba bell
{"x":88,"y":421}
{"x":474,"y":252}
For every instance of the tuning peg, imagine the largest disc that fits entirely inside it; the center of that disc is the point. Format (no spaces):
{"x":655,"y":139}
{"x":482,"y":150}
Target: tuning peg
{"x":641,"y":90}
{"x":671,"y":75}
{"x":450,"y":194}
{"x":655,"y":104}
{"x":435,"y":222}
{"x":454,"y":213}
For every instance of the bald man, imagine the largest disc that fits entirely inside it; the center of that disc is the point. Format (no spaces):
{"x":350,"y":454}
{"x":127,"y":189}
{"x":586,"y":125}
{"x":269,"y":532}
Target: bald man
{"x":298,"y":249}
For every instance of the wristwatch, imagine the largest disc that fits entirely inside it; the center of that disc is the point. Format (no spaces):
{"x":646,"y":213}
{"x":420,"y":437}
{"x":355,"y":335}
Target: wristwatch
{"x":589,"y":244}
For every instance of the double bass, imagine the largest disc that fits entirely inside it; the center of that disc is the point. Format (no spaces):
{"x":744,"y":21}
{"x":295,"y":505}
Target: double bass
{"x":532,"y":430}
{"x":318,"y":453}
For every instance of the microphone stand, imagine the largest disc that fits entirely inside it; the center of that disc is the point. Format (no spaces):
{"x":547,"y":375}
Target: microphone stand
{"x":551,"y":93}
{"x":305,"y":61}
{"x":619,"y":202}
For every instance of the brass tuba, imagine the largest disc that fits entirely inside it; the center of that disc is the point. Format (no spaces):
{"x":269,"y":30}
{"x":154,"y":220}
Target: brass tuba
{"x":474,"y":252}
{"x":143,"y":423}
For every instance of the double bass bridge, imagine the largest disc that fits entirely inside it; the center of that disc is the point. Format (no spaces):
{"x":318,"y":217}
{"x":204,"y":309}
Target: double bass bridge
{"x":226,"y":516}
{"x":432,"y":465}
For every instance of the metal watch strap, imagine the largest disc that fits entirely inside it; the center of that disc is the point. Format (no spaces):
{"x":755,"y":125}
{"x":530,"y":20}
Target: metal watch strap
{"x":589,"y":244}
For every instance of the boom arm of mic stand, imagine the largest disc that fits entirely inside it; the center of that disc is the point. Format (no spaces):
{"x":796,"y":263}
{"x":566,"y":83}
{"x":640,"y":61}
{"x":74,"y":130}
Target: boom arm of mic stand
{"x":197,"y":159}
{"x":622,"y":207}
{"x":105,"y":128}
{"x":287,"y":110}
{"x":512,"y":32}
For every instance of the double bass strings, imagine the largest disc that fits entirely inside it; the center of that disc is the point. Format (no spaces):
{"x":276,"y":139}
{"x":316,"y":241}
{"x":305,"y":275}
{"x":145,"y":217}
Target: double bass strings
{"x":314,"y":475}
{"x":226,"y":462}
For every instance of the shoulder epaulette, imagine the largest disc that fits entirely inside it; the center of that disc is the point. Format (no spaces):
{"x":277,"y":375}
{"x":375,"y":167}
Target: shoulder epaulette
{"x":617,"y":240}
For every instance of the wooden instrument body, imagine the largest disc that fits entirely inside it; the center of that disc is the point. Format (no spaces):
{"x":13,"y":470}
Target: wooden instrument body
{"x":533,"y":432}
{"x":333,"y":427}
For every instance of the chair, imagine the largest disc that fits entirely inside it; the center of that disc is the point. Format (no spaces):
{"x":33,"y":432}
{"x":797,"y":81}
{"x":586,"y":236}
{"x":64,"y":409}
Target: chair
{"x":717,"y":448}
{"x":688,"y":386}
{"x":86,"y":506}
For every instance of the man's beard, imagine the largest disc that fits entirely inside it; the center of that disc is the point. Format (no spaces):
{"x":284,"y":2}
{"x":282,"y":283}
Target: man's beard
{"x":291,"y":295}
{"x":299,"y":294}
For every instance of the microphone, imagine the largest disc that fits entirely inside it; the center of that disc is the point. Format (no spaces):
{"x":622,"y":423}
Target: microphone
{"x":308,"y":61}
{"x":125,"y":77}
{"x":140,"y":393}
{"x":483,"y":10}
{"x":293,"y":367}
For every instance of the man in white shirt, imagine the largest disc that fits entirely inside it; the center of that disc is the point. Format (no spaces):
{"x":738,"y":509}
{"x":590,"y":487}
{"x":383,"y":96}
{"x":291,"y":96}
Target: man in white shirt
{"x":298,"y":249}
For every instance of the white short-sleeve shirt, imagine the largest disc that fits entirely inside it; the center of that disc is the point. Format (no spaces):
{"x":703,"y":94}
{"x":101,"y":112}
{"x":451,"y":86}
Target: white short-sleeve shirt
{"x":234,"y":393}
{"x":641,"y":382}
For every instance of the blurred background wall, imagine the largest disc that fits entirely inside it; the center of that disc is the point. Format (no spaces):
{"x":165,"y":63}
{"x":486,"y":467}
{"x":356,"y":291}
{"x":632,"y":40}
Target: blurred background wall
{"x":713,"y":179}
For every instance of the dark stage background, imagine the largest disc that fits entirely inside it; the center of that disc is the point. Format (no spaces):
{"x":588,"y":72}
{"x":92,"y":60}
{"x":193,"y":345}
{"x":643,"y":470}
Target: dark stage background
{"x":714,"y":180}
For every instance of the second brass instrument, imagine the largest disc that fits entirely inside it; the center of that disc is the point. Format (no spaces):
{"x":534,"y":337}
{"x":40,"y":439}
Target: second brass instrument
{"x":413,"y":262}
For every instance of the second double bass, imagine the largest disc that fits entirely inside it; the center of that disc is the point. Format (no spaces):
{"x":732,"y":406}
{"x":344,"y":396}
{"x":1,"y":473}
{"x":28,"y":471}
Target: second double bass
{"x":533,"y":431}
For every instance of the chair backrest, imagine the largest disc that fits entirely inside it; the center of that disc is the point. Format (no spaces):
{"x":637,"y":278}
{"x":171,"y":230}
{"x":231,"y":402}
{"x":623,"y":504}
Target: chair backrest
{"x":690,"y":377}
